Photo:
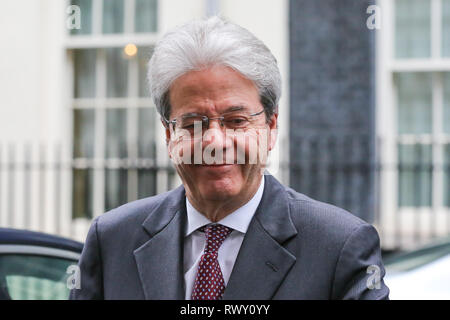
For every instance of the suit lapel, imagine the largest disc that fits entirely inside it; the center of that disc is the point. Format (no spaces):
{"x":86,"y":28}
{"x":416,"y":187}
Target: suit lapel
{"x":160,"y":259}
{"x":263,"y":262}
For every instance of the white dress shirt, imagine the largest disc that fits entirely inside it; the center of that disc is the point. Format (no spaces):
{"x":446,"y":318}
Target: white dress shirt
{"x":194,"y":240}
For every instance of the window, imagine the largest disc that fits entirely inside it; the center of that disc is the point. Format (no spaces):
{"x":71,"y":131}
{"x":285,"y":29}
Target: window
{"x":412,"y":28}
{"x":33,"y":277}
{"x":116,"y":16}
{"x":446,"y":126}
{"x":446,"y":28}
{"x":422,"y":101}
{"x":114,"y":120}
{"x":414,"y":107}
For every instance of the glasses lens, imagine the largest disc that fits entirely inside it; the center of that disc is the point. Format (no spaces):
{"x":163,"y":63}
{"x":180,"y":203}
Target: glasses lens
{"x":236,"y":120}
{"x":191,"y":123}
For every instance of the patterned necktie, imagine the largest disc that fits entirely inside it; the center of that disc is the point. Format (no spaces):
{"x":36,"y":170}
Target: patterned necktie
{"x":209,"y":283}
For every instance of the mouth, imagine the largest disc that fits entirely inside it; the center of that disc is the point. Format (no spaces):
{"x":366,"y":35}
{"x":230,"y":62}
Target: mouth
{"x":225,"y":167}
{"x":216,"y":165}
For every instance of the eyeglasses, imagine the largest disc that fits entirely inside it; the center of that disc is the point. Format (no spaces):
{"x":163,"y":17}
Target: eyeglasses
{"x":231,"y":120}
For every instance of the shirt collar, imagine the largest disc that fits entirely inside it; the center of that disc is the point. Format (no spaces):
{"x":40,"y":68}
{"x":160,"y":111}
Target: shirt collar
{"x":238,"y":220}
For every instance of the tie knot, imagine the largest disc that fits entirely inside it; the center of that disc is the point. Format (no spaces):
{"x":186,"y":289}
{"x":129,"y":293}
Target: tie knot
{"x":215,"y":236}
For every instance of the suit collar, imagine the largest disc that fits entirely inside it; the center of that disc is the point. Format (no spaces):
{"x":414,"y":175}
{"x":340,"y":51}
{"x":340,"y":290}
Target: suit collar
{"x":273,"y":212}
{"x":162,"y":215}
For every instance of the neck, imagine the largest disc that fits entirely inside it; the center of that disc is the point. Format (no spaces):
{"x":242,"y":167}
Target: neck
{"x":217,"y":209}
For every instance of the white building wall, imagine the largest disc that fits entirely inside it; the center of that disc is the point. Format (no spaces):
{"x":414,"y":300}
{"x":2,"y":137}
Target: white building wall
{"x":20,"y":69}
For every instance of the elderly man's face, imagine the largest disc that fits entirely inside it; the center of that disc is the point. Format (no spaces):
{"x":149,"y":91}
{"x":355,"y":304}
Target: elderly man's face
{"x":214,"y":92}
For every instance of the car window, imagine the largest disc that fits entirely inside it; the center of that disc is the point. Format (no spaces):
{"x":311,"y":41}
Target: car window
{"x":32,"y":277}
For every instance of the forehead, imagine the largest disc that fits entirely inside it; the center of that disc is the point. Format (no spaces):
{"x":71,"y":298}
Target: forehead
{"x":215,"y":89}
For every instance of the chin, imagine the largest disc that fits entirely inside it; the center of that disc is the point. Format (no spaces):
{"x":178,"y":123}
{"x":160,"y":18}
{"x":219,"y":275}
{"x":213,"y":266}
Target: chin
{"x":215,"y":183}
{"x":219,"y":190}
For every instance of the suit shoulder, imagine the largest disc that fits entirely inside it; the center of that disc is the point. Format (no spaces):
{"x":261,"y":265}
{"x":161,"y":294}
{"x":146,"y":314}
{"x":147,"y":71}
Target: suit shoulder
{"x":133,"y":213}
{"x":324,"y":218}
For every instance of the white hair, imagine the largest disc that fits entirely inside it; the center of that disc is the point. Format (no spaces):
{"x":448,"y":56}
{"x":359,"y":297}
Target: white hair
{"x":205,"y":43}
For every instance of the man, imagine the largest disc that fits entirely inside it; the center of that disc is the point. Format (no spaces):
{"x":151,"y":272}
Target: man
{"x":229,"y":232}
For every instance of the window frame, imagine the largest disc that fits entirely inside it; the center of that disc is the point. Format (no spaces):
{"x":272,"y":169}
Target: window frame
{"x":434,"y":220}
{"x":100,"y":103}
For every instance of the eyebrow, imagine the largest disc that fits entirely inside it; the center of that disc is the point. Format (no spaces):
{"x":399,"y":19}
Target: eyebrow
{"x":189,"y":114}
{"x":230,"y":109}
{"x":235,"y":108}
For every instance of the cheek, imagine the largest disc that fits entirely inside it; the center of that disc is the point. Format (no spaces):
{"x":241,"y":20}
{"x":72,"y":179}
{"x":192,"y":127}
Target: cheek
{"x":180,"y":151}
{"x":254,"y":146}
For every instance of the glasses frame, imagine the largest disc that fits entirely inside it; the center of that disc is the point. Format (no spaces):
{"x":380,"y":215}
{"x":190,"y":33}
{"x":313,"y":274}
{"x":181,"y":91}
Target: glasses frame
{"x":206,"y":120}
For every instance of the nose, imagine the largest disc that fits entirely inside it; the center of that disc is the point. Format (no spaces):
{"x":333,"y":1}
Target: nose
{"x":215,"y":134}
{"x":216,"y":139}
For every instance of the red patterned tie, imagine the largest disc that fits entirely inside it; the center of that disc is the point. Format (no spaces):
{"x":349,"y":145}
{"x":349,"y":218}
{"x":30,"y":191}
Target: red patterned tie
{"x":209,"y":283}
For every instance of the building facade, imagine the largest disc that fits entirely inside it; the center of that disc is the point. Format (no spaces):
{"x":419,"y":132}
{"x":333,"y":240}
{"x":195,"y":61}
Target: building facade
{"x":364,"y":119}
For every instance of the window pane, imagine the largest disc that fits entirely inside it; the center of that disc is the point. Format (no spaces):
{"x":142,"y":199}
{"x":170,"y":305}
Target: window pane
{"x":412,"y":28}
{"x":447,"y":175}
{"x":113,"y":16}
{"x":414,"y":103}
{"x":147,"y":183}
{"x":147,"y":150}
{"x":415,"y":175}
{"x":28,"y":277}
{"x":84,"y":73}
{"x":144,"y":55}
{"x":116,"y":133}
{"x":82,"y":191}
{"x":116,"y":188}
{"x":85,"y":17}
{"x":83,"y":133}
{"x":146,"y":133}
{"x":145,"y":17}
{"x":446,"y":28}
{"x":116,"y":73}
{"x":446,"y":120}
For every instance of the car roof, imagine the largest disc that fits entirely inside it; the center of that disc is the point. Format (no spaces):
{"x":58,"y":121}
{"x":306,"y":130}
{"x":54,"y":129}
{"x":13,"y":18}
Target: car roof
{"x":412,"y":259}
{"x":33,"y":238}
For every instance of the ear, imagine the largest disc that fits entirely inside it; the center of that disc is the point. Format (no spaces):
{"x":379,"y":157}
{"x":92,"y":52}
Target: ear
{"x":273,"y":126}
{"x":167,"y":131}
{"x":168,"y":136}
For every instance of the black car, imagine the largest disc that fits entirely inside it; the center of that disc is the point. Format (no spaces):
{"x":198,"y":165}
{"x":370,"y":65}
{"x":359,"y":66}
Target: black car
{"x":37,"y":266}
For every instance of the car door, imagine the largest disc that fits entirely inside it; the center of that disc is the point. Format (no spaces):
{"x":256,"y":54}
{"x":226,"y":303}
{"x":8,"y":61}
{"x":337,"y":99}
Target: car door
{"x":30,"y":272}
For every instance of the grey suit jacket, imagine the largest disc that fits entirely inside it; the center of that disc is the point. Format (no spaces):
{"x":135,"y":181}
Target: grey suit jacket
{"x":295,"y":248}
